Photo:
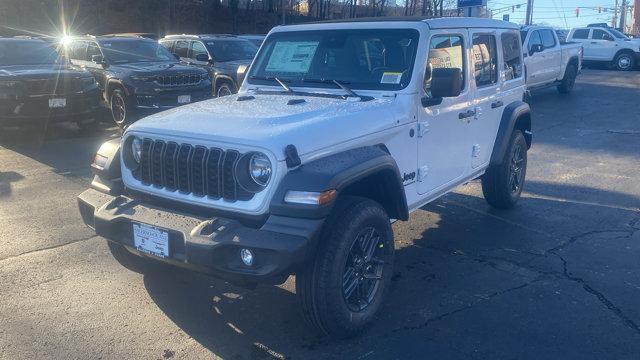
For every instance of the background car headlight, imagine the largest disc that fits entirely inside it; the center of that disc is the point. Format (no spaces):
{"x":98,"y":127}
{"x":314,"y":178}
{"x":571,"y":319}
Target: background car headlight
{"x":89,"y":83}
{"x":136,"y":149}
{"x":253,"y":171}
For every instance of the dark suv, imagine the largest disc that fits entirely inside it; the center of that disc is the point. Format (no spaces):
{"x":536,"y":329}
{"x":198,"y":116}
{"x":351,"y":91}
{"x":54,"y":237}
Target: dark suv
{"x":37,"y":86}
{"x":226,"y":57}
{"x":137,"y":76}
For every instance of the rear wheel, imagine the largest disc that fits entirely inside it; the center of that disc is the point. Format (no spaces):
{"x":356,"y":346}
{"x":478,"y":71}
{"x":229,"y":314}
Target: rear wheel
{"x":343,"y":290}
{"x":502,"y":184}
{"x":624,"y":62}
{"x":569,"y":79}
{"x":121,"y":110}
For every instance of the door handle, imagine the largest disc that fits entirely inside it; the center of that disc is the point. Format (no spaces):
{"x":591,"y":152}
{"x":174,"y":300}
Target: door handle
{"x":497,"y":104}
{"x":466,"y":114}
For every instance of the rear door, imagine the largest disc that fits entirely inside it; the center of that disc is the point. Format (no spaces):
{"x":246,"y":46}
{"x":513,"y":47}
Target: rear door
{"x":552,"y":55}
{"x":581,"y":36}
{"x":488,"y":96}
{"x":443,"y":136}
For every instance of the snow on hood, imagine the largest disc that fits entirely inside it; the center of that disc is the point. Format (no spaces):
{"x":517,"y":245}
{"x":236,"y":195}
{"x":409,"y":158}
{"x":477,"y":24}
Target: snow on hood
{"x":270,"y":123}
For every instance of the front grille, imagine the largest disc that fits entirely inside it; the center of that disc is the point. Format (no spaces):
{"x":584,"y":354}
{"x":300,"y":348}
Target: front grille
{"x":178,"y":79}
{"x":189,"y":169}
{"x":59,"y":86}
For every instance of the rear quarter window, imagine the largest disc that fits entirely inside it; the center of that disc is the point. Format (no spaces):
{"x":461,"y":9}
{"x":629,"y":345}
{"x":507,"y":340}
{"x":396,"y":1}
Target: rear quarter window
{"x":581,"y":34}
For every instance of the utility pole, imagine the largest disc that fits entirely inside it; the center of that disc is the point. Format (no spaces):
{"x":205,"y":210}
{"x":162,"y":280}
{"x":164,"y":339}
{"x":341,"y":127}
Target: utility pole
{"x":623,"y":15}
{"x":529,"y":18}
{"x":614,"y":21}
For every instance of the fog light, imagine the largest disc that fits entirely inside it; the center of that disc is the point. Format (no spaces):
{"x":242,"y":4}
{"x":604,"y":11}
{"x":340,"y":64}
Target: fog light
{"x":247,"y":256}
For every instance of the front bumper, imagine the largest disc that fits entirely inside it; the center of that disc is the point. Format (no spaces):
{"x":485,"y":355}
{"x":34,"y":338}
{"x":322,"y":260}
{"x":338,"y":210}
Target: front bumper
{"x":210,"y":245}
{"x":18,"y":109}
{"x":157,"y":99}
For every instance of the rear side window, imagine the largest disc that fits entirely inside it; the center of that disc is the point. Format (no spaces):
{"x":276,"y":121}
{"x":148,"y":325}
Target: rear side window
{"x":535,"y":39}
{"x":485,"y":60}
{"x":601,"y":35}
{"x":445,"y":51}
{"x":182,"y":48}
{"x":548,"y":40}
{"x":511,"y":51}
{"x":581,"y":34}
{"x":167,"y":44}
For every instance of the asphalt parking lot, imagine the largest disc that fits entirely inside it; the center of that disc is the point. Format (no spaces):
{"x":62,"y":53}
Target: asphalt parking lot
{"x":558,"y":277}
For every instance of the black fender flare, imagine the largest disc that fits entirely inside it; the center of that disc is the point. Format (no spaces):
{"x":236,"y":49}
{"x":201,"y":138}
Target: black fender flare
{"x":510,"y":116}
{"x":221,"y":78}
{"x":339,"y":171}
{"x":111,"y":84}
{"x":107,"y":173}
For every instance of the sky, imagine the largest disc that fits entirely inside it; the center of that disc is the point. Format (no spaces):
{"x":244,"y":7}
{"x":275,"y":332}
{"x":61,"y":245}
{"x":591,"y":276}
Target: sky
{"x":557,"y":13}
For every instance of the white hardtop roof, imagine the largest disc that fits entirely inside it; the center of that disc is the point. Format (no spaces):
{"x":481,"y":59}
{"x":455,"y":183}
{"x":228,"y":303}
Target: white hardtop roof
{"x":400,"y":22}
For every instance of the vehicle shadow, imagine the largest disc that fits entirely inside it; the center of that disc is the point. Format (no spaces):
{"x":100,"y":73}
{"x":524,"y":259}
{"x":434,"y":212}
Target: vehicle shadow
{"x":6,"y":179}
{"x":448,"y":256}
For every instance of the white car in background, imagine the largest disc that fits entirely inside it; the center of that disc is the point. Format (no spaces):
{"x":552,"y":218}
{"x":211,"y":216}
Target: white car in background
{"x":549,"y":61}
{"x":607,"y":45}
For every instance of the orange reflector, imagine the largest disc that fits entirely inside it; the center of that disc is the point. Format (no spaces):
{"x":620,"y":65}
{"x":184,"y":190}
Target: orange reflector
{"x":327,"y":196}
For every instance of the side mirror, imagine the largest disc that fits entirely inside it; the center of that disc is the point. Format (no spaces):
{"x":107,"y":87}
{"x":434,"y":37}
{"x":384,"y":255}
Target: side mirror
{"x":536,"y":48}
{"x":445,"y":82}
{"x":202,"y":57}
{"x":98,"y":59}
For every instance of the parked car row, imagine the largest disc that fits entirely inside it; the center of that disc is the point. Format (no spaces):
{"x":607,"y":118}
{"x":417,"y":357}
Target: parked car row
{"x":129,"y":74}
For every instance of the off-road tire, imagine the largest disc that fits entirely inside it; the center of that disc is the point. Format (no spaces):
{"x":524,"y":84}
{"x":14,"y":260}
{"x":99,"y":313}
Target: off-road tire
{"x":569,"y":79}
{"x":131,"y":261}
{"x":497,"y":185}
{"x":320,"y":287}
{"x":225,"y":89}
{"x":624,"y":62}
{"x":118,"y":103}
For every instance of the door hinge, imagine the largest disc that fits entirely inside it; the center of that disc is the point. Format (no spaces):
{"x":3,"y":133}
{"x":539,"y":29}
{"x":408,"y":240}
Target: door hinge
{"x":423,"y":128}
{"x":422,"y":172}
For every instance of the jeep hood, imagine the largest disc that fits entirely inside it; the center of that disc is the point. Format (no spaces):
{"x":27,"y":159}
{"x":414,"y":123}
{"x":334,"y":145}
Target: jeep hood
{"x":272,"y":122}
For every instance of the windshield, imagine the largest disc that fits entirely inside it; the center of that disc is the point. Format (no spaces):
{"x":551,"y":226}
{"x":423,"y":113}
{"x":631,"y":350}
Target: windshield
{"x":27,"y":52}
{"x":617,"y":34}
{"x":373,"y":59}
{"x":134,"y":50}
{"x":231,"y":50}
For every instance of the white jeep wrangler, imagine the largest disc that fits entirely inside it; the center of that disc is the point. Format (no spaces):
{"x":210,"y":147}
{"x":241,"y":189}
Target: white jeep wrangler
{"x":339,"y":129}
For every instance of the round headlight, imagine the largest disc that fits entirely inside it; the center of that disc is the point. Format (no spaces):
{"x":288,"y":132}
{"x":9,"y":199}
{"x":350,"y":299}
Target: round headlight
{"x":260,"y":169}
{"x":136,"y":149}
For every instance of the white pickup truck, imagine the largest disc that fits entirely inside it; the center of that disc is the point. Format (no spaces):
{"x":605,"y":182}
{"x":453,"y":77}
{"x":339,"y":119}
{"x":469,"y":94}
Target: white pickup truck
{"x":607,"y":45}
{"x":548,"y":61}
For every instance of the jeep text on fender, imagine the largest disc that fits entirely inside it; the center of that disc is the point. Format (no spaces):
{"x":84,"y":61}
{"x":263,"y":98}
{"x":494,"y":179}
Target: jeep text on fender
{"x":338,"y":129}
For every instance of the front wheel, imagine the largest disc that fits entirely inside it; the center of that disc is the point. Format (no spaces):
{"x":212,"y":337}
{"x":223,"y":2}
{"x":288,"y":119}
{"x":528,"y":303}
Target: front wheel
{"x":225,"y":89}
{"x":342,"y":291}
{"x":624,"y":62}
{"x":121,"y":110}
{"x":502,"y":184}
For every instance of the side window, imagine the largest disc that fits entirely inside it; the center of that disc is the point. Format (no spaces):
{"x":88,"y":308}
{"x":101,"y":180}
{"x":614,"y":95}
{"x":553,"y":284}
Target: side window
{"x":168,"y":44}
{"x":77,"y":50}
{"x":535,"y":39}
{"x":548,"y":40}
{"x":198,"y":48}
{"x":581,"y":34}
{"x":445,"y":51}
{"x":485,"y":59}
{"x":601,"y":35}
{"x":182,"y":48}
{"x":92,"y":49}
{"x":511,"y":52}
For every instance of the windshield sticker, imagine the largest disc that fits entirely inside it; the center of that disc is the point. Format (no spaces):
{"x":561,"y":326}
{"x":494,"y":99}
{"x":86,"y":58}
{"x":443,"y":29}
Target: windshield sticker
{"x":292,"y":56}
{"x":391,"y":78}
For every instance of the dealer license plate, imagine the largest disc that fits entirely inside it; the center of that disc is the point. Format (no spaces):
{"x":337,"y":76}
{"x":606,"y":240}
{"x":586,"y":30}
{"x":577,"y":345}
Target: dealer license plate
{"x":184,"y":99}
{"x":151,"y":240}
{"x":57,"y":103}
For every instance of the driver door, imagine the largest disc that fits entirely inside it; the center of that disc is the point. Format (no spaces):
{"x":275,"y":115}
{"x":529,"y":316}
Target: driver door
{"x":444,"y":141}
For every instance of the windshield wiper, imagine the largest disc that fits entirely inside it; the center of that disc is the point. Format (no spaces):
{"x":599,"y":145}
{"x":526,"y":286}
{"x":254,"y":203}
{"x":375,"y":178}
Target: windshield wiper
{"x":342,"y":85}
{"x":273,"y":78}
